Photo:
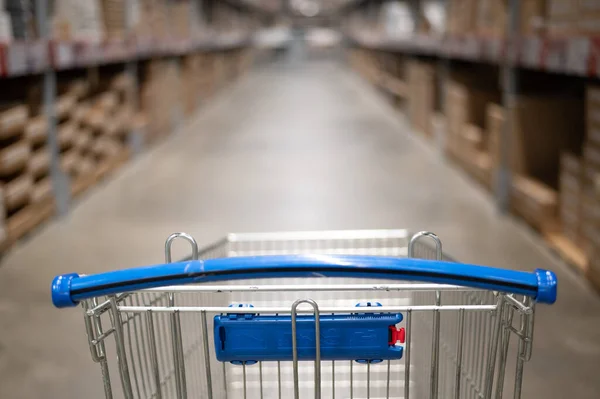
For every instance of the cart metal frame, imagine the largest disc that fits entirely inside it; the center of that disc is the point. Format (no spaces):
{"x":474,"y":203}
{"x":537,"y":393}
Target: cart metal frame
{"x":458,"y":341}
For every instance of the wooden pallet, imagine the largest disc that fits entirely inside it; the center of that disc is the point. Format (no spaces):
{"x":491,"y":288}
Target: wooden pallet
{"x":567,"y":250}
{"x":27,"y":219}
{"x":111,"y":165}
{"x":81,"y":184}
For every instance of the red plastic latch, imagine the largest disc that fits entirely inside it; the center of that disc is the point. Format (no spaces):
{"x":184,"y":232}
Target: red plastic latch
{"x":397,"y":335}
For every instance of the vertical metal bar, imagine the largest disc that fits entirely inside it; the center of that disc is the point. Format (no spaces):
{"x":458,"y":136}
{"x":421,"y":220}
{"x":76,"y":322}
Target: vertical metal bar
{"x":94,"y":329}
{"x":333,"y":379}
{"x":407,"y":353}
{"x":153,"y":353}
{"x":141,"y":348}
{"x":435,"y":349}
{"x":225,"y":388}
{"x":135,"y":138}
{"x":60,"y":182}
{"x":509,"y":94}
{"x":489,"y":377}
{"x":387,"y":386}
{"x":279,"y":379}
{"x":163,"y":352}
{"x":176,"y":338}
{"x":459,"y":345}
{"x":522,"y":353}
{"x":178,"y":364}
{"x":351,"y":379}
{"x":121,"y":353}
{"x":368,"y":379}
{"x":317,"y":347}
{"x":206,"y":355}
{"x":482,"y":339}
{"x":131,"y":356}
{"x":261,"y":379}
{"x":244,"y":373}
{"x":507,"y":323}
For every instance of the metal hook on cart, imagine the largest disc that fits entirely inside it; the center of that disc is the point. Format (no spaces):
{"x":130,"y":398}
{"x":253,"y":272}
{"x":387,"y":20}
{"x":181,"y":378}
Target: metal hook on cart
{"x":185,"y":236}
{"x":317,"y":347}
{"x":415,"y":238}
{"x":435,"y":340}
{"x":178,"y":353}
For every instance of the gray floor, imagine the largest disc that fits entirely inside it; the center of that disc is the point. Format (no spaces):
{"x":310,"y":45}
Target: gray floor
{"x":283,"y":149}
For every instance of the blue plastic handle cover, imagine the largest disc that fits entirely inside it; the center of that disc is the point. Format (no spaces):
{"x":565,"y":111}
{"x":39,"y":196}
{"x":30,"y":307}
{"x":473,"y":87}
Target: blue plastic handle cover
{"x":69,"y":289}
{"x":247,"y":338}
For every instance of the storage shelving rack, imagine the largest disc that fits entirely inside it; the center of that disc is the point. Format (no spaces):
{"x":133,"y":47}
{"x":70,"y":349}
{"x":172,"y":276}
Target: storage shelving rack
{"x":43,"y":58}
{"x":556,"y":55}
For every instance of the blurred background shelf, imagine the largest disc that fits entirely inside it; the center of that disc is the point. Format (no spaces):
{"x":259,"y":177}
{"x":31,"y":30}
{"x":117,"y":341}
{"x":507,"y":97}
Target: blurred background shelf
{"x":578,"y":56}
{"x":508,"y":92}
{"x":90,"y":84}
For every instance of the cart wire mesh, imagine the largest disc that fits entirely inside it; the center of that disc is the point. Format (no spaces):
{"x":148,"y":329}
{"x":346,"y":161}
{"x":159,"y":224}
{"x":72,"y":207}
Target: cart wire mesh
{"x":157,"y":343}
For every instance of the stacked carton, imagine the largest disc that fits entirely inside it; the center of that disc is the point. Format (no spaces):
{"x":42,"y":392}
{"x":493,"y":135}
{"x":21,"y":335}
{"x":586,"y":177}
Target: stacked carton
{"x":590,"y":205}
{"x":543,"y":128}
{"x":421,"y":95}
{"x":552,"y":17}
{"x":466,"y":139}
{"x":462,"y":16}
{"x":114,"y":17}
{"x":570,"y":189}
{"x":160,"y":97}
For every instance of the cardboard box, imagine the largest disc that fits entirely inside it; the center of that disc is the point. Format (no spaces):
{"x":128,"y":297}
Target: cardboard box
{"x":561,"y":8}
{"x":544,"y":127}
{"x":536,"y":202}
{"x":590,"y":176}
{"x":466,"y":105}
{"x":589,"y":24}
{"x":492,"y":17}
{"x":591,"y":156}
{"x":462,"y":16}
{"x":494,"y":125}
{"x":421,"y":95}
{"x":532,"y":16}
{"x":590,"y":222}
{"x":562,"y":17}
{"x":588,"y":6}
{"x":570,"y":183}
{"x":570,"y":164}
{"x":592,"y":114}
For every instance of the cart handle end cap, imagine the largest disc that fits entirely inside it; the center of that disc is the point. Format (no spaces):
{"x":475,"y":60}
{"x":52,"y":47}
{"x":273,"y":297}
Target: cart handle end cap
{"x":61,"y":290}
{"x":547,"y":286}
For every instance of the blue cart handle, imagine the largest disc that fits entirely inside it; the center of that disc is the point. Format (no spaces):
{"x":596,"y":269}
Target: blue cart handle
{"x":69,"y":289}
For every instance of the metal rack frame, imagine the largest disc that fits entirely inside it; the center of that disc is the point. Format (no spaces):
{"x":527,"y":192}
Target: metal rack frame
{"x":576,"y":56}
{"x":46,"y":57}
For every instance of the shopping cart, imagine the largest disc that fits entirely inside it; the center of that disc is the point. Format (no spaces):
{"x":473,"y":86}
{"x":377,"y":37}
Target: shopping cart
{"x":288,"y":320}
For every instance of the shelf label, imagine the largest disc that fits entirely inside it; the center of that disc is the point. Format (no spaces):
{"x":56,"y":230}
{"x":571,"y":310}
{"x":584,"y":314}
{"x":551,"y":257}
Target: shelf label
{"x":64,"y":55}
{"x":472,"y":48}
{"x":492,"y":49}
{"x":531,"y":52}
{"x":16,"y":63}
{"x":578,"y":55}
{"x":594,"y":62}
{"x":38,"y":57}
{"x":555,"y":55}
{"x":88,"y":54}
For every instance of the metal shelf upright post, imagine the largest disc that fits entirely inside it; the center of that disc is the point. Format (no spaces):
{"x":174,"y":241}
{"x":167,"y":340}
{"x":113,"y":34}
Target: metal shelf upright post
{"x":60,"y":181}
{"x":509,"y":86}
{"x":135,"y":138}
{"x":443,"y":72}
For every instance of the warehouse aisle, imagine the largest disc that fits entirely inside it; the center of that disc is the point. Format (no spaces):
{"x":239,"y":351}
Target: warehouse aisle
{"x":284,"y":149}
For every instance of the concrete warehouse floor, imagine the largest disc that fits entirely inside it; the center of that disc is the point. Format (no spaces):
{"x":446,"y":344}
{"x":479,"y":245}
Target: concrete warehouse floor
{"x":284,"y":149}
